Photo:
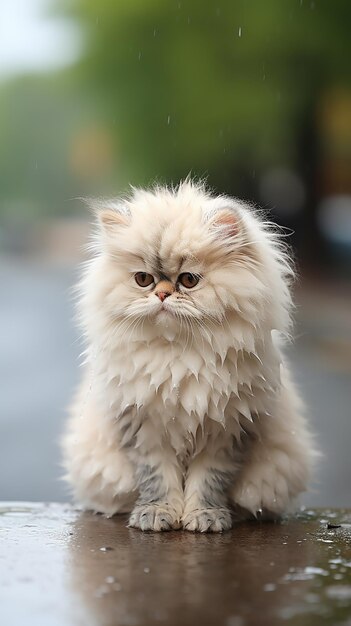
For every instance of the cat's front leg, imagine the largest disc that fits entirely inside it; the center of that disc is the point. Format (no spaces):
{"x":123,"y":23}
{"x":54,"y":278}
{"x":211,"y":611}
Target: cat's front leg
{"x":160,"y":503}
{"x":208,"y":480}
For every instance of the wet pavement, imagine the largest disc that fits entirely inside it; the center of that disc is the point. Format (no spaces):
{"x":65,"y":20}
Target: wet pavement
{"x":60,"y":567}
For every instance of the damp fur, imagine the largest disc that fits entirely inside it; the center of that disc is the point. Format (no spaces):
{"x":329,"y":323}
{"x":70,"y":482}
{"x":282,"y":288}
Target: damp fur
{"x":186,"y":415}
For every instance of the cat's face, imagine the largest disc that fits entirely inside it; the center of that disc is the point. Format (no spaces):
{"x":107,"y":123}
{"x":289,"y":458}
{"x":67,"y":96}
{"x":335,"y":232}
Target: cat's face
{"x":178,"y":260}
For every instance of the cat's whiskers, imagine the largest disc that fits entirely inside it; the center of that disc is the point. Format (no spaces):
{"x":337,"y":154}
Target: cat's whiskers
{"x":215,"y":320}
{"x":180,"y":331}
{"x":138,"y":324}
{"x":190,"y":335}
{"x":132,"y":328}
{"x":129,"y":323}
{"x":195,"y":326}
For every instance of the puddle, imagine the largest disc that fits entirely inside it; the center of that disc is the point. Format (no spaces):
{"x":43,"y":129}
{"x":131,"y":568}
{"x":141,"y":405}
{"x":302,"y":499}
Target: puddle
{"x":316,"y":570}
{"x":339,"y":592}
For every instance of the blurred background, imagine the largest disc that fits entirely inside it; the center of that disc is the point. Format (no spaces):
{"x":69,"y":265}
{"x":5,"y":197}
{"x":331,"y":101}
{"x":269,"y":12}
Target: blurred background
{"x":96,"y":95}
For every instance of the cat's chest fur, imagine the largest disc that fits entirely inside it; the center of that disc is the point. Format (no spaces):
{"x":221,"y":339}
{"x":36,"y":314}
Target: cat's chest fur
{"x":166,"y":380}
{"x":169,"y":389}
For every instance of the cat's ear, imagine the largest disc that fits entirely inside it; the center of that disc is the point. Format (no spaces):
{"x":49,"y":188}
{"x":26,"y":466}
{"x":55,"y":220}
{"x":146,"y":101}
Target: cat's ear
{"x":110,"y":219}
{"x":226,"y":223}
{"x":110,"y":215}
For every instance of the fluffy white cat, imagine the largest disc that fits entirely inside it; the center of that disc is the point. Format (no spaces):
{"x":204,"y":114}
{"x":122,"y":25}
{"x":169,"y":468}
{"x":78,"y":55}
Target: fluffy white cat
{"x":186,"y":413}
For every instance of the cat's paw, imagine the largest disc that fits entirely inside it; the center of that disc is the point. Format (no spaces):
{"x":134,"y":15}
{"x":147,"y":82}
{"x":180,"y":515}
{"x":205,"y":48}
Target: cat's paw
{"x":209,"y":520}
{"x":156,"y":517}
{"x":263,"y":490}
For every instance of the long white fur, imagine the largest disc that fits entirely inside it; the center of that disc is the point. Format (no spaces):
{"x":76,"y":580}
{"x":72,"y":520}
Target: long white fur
{"x":178,"y":387}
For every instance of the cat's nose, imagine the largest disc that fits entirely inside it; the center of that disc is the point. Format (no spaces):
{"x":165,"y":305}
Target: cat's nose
{"x":163,"y":294}
{"x":164,"y":289}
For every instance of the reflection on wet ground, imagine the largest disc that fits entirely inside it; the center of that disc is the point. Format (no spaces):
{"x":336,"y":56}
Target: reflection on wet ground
{"x":60,"y":566}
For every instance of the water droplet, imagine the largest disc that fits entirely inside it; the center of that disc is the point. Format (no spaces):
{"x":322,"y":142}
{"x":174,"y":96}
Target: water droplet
{"x":110,"y":579}
{"x":269,"y":587}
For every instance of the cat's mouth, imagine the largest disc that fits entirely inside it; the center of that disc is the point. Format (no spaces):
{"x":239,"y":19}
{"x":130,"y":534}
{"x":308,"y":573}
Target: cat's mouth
{"x":164,"y":311}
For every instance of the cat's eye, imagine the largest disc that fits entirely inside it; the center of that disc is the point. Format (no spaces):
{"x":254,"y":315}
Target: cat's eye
{"x":143,"y":279}
{"x":188,"y":280}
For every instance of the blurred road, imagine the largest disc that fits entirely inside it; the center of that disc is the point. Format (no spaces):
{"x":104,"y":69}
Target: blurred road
{"x":39,"y":370}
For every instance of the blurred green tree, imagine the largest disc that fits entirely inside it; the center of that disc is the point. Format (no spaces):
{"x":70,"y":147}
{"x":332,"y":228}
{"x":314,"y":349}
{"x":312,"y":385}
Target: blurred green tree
{"x":164,"y":88}
{"x":219,"y":89}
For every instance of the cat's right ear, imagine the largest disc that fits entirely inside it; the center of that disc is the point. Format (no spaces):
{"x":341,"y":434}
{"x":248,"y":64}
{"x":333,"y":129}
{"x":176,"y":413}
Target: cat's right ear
{"x":110,"y":220}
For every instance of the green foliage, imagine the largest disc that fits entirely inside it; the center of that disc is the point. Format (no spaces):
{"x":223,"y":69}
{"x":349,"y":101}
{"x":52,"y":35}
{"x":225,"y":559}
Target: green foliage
{"x":210,"y":86}
{"x":219,"y":89}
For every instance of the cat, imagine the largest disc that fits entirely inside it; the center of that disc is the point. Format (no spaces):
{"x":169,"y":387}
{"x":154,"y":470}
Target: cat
{"x":187,"y":414}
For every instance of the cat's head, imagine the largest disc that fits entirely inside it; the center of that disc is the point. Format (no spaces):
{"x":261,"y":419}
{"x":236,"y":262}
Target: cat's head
{"x":184,"y":259}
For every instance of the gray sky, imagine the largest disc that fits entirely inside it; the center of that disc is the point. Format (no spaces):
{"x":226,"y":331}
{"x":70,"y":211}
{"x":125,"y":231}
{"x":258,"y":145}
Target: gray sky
{"x":32,"y":40}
